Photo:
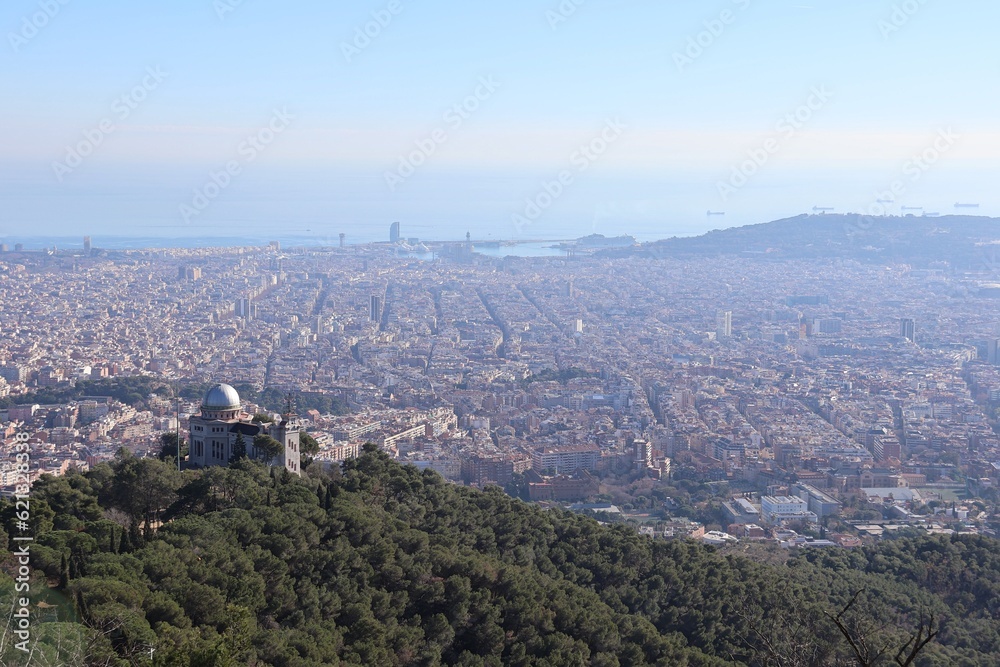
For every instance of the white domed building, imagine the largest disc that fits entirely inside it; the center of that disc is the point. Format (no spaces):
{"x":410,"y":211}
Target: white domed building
{"x":215,"y":432}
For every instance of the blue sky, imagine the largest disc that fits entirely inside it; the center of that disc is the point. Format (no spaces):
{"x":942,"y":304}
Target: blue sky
{"x":896,"y":74}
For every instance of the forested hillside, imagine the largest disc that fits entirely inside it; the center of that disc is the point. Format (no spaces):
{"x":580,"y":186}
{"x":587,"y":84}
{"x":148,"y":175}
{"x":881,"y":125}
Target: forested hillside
{"x":385,"y":565}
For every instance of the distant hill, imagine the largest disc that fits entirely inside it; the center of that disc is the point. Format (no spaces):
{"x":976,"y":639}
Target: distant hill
{"x":382,"y":564}
{"x":961,"y":240}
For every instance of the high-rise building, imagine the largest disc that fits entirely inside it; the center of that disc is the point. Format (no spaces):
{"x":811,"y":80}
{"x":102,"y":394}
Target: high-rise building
{"x":342,"y":237}
{"x":993,"y":351}
{"x":86,"y":244}
{"x":829,"y":325}
{"x":13,"y":374}
{"x":643,"y":454}
{"x":246,"y":309}
{"x":189,"y":273}
{"x":906,"y":328}
{"x":724,"y":324}
{"x":375,"y":308}
{"x":394,"y":233}
{"x":886,"y":447}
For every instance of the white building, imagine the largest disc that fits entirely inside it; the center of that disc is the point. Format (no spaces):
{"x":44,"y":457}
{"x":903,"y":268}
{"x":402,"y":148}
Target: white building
{"x":724,"y":324}
{"x":776,"y":509}
{"x":718,"y":538}
{"x":566,"y":459}
{"x":820,"y":503}
{"x":216,"y":430}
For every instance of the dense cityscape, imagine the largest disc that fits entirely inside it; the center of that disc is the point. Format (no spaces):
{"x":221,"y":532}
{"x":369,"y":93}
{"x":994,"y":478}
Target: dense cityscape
{"x":816,"y":402}
{"x":561,"y":334}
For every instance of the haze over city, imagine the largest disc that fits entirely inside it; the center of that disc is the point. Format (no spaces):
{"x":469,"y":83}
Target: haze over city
{"x":698,"y":89}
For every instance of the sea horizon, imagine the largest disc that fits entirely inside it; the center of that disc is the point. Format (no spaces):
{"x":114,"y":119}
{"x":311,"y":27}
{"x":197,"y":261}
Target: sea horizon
{"x":144,"y":241}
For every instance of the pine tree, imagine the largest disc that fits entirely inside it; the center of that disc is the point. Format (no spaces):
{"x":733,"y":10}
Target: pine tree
{"x":126,"y":545}
{"x":239,"y":447}
{"x":134,"y":536}
{"x":64,"y":572}
{"x":82,"y":612}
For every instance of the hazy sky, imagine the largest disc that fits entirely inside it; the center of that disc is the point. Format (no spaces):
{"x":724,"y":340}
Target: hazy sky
{"x":315,"y":117}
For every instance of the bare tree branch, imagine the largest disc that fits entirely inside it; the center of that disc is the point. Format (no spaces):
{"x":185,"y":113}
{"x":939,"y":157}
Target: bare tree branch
{"x":863,"y":653}
{"x":919,"y":641}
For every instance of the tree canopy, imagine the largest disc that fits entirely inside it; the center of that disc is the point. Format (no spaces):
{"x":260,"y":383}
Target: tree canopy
{"x":381,"y":564}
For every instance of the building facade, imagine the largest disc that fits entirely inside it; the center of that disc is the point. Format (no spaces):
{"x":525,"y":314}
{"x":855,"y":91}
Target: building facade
{"x":566,"y":459}
{"x":906,"y":329}
{"x":776,"y":509}
{"x":724,"y":324}
{"x":216,"y":431}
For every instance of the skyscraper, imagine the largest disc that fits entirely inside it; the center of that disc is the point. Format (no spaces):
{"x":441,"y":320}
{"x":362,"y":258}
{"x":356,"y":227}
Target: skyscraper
{"x":724,"y":324}
{"x":394,"y":233}
{"x":246,"y":309}
{"x":906,"y":328}
{"x":375,"y":308}
{"x":86,"y":244}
